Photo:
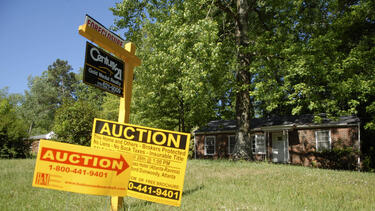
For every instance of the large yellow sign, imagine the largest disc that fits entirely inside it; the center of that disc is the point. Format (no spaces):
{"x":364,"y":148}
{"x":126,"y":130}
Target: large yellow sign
{"x":160,"y":158}
{"x":81,"y":169}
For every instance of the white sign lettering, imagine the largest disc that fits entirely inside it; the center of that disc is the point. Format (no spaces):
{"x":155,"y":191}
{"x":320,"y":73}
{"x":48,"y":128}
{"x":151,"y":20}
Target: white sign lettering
{"x":95,"y":55}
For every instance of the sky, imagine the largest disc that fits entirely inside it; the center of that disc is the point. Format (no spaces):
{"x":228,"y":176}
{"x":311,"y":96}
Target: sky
{"x":33,"y":34}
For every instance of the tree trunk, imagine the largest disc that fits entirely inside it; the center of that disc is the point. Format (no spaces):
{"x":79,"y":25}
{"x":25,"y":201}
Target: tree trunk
{"x":181,"y":118}
{"x":242,"y":148}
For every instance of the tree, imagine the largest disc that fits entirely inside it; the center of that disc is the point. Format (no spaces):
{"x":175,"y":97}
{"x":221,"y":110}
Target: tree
{"x":184,"y":75}
{"x":289,"y":57}
{"x":230,"y":27}
{"x":46,"y":95}
{"x":90,"y":94}
{"x":308,"y":56}
{"x":106,"y":105}
{"x":73,"y":122}
{"x":110,"y":107}
{"x":240,"y":17}
{"x":316,"y":57}
{"x":12,"y":129}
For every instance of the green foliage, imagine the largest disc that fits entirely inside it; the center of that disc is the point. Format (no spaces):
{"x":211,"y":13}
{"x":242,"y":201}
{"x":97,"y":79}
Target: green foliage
{"x":58,"y":100}
{"x":88,"y":93}
{"x":184,"y":79}
{"x":74,"y":121}
{"x":302,"y":56}
{"x":319,"y":58}
{"x":46,"y":96}
{"x":12,"y":129}
{"x":110,"y":108}
{"x":191,"y":148}
{"x":341,"y":159}
{"x":368,"y":163}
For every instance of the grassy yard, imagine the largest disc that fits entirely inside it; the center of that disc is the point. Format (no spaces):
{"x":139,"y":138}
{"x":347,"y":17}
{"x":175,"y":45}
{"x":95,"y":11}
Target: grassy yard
{"x":210,"y":185}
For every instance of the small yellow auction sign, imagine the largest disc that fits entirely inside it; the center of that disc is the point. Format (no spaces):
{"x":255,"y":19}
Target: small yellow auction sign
{"x":159,"y":165}
{"x":81,"y":169}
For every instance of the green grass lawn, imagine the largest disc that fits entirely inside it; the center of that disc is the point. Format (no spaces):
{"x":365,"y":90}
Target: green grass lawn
{"x":210,"y":185}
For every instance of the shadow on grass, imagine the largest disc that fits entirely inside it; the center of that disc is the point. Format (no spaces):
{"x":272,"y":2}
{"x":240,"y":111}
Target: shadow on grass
{"x":190,"y":191}
{"x":133,"y":205}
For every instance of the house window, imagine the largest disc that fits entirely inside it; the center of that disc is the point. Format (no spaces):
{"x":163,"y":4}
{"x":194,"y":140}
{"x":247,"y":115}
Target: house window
{"x":209,"y":145}
{"x":323,"y":140}
{"x":231,"y":143}
{"x":258,"y":144}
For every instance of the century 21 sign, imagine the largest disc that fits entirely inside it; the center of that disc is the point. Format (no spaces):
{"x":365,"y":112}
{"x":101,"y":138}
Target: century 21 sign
{"x":103,"y":70}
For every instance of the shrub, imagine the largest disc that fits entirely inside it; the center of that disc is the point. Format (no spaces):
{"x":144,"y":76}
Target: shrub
{"x":368,"y":163}
{"x":12,"y":132}
{"x":343,"y":159}
{"x":73,"y":122}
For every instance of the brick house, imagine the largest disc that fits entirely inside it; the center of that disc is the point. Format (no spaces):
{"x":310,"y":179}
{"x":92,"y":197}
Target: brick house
{"x":36,"y":139}
{"x":290,"y":139}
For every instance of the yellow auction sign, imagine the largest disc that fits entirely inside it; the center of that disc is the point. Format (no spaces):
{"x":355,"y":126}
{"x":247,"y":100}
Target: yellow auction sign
{"x":160,"y":158}
{"x":81,"y":169}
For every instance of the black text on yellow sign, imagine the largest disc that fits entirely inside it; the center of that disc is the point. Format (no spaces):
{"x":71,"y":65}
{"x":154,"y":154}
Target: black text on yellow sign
{"x":160,"y":158}
{"x":142,"y":134}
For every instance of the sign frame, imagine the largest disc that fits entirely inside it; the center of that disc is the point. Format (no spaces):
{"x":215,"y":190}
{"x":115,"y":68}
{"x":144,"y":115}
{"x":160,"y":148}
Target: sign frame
{"x":127,"y":54}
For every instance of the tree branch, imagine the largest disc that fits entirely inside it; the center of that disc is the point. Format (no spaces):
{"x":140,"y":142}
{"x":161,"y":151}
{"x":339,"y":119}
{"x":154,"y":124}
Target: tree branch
{"x":226,"y":8}
{"x":261,"y":19}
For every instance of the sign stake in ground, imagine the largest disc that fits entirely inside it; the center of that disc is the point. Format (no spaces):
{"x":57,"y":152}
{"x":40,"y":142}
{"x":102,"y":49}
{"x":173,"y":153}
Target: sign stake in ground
{"x":100,"y":35}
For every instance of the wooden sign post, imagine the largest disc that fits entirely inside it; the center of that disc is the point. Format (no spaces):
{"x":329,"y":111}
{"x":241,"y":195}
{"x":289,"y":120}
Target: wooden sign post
{"x":124,"y":112}
{"x":160,"y":155}
{"x":100,"y":35}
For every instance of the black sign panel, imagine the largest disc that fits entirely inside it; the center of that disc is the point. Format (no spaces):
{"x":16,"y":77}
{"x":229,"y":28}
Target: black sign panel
{"x":103,"y":70}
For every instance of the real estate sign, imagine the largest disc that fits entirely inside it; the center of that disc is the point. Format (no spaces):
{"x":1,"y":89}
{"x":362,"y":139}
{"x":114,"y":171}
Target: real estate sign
{"x":81,"y":169}
{"x":92,"y":23}
{"x":102,"y":70}
{"x":160,"y":158}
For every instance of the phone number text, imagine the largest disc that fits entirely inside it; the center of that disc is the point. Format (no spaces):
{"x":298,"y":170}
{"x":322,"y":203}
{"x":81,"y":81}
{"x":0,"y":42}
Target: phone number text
{"x":78,"y":171}
{"x":154,"y":191}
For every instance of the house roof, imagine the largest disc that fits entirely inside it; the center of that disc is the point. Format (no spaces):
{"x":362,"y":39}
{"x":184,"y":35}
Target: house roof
{"x":301,"y":121}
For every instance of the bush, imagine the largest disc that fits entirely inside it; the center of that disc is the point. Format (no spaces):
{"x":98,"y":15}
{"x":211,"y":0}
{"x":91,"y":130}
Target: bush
{"x":368,"y":163}
{"x":74,"y":121}
{"x":191,"y":148}
{"x":343,"y":159}
{"x":12,"y":132}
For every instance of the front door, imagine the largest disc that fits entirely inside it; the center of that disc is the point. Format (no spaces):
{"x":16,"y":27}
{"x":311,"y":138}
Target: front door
{"x":279,"y":148}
